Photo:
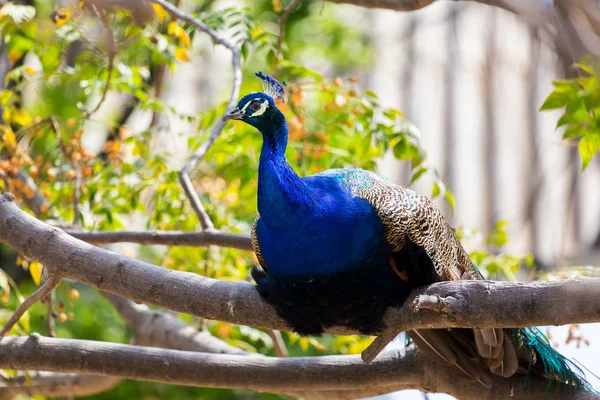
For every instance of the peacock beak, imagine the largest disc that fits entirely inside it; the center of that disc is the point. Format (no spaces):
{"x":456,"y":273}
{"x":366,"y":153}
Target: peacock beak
{"x":236,"y":113}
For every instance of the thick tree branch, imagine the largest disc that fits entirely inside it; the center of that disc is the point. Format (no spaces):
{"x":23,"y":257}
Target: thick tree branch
{"x":413,"y":5}
{"x":168,"y":238}
{"x":470,"y":303}
{"x":575,"y":23}
{"x":161,"y":329}
{"x":56,"y":385}
{"x":395,"y":370}
{"x":152,"y":328}
{"x":202,"y":369}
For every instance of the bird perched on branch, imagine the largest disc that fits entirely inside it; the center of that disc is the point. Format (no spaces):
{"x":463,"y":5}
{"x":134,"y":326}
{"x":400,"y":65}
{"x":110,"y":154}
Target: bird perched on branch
{"x":342,"y":246}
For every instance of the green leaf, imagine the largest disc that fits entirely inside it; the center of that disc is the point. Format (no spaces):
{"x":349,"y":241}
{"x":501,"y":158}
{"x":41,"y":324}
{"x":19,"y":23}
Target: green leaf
{"x":300,"y":71}
{"x":574,"y":131}
{"x":562,"y":85}
{"x":555,"y":100}
{"x":435,"y":190}
{"x":404,"y":150}
{"x":417,"y":174}
{"x":450,"y":198}
{"x":499,"y":235}
{"x":586,"y":68}
{"x":371,"y":93}
{"x":588,"y":146}
{"x":572,"y":117}
{"x":245,"y":50}
{"x":392,"y":114}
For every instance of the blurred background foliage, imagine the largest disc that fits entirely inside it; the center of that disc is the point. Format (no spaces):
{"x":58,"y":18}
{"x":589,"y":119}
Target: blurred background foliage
{"x":72,"y":157}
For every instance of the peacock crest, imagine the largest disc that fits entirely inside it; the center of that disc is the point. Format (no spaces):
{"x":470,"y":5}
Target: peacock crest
{"x":272,"y":87}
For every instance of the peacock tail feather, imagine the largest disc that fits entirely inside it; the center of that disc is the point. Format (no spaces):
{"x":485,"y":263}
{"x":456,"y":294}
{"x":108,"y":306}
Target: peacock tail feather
{"x":555,"y":366}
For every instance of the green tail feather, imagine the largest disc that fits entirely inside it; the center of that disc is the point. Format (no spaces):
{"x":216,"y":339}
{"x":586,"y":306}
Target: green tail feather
{"x":557,"y":368}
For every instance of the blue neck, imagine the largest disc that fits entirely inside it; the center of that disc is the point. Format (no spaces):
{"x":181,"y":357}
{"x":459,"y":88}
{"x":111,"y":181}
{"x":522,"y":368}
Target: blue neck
{"x":275,"y":137}
{"x":281,"y":192}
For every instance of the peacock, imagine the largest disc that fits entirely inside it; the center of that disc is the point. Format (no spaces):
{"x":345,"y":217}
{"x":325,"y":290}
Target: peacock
{"x":342,"y":246}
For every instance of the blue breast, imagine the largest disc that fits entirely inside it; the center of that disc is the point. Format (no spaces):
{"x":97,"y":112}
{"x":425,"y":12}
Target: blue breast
{"x":316,"y":226}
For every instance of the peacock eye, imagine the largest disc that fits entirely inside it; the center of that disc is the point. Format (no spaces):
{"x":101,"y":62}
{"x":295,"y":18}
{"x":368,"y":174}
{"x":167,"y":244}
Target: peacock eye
{"x":255,"y":106}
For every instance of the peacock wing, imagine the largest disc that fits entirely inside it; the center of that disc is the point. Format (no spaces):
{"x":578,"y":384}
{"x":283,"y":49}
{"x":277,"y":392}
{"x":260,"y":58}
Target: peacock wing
{"x":256,"y":245}
{"x":409,"y":217}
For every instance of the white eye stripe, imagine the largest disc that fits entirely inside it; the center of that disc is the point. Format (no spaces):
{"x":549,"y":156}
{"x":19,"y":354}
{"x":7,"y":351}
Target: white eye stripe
{"x":261,"y":110}
{"x":248,"y":103}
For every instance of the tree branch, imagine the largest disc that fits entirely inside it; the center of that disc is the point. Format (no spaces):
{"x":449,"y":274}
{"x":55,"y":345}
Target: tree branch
{"x":397,"y":5}
{"x":476,"y":304}
{"x":282,"y":22}
{"x":159,"y":329}
{"x":36,"y":202}
{"x":112,"y":51}
{"x":152,"y":328}
{"x":574,"y":22}
{"x":168,"y":238}
{"x":278,"y":343}
{"x":184,"y":173}
{"x":395,"y":370}
{"x":57,"y":385}
{"x":514,"y":6}
{"x":50,"y":283}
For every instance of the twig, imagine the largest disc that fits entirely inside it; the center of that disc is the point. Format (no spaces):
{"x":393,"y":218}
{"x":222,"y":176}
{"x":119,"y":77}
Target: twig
{"x":74,"y":165}
{"x":184,"y":173}
{"x":111,"y":59}
{"x":39,"y":294}
{"x":421,"y":302}
{"x":282,"y":21}
{"x":77,"y":196}
{"x":51,"y":322}
{"x":278,"y":343}
{"x":571,"y":206}
{"x":159,"y":77}
{"x":167,"y":238}
{"x":376,"y":347}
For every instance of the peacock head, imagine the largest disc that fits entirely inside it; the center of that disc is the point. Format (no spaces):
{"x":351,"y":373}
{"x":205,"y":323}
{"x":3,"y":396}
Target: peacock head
{"x":258,"y":108}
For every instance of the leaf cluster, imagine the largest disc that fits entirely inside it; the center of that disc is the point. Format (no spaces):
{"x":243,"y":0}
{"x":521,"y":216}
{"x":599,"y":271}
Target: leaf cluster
{"x":580,"y":100}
